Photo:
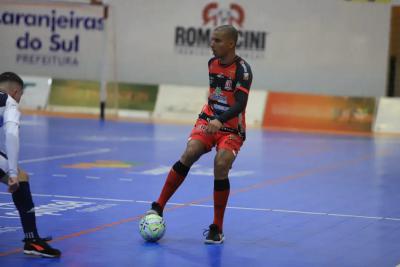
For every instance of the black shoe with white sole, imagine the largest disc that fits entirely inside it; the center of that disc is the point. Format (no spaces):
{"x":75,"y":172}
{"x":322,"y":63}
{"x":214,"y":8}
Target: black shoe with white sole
{"x":155,"y":209}
{"x":213,"y":235}
{"x":39,"y":247}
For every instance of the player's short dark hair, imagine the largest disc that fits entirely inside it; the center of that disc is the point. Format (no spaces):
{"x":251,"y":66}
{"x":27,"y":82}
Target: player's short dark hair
{"x":11,"y":77}
{"x":230,"y":30}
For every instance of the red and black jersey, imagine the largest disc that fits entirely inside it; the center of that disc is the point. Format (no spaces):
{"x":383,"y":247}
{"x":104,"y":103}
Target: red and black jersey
{"x":225,"y":80}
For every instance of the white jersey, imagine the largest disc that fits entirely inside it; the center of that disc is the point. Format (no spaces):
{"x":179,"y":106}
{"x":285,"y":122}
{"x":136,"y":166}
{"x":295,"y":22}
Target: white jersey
{"x":9,"y":121}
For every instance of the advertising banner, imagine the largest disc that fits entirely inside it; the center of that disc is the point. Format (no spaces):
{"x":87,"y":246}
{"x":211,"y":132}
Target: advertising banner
{"x":388,"y":115}
{"x":255,"y":108}
{"x":312,"y":46}
{"x":36,"y":92}
{"x":180,"y":103}
{"x":57,"y":40}
{"x":319,"y":112}
{"x":194,"y":38}
{"x":75,"y":93}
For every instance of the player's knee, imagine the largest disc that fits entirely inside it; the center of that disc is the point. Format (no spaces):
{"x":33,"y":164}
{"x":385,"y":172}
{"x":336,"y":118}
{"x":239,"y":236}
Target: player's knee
{"x":221,"y":167}
{"x":190,"y":155}
{"x":23,"y":176}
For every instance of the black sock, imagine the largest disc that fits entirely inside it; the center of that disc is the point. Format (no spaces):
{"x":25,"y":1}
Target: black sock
{"x":23,"y":201}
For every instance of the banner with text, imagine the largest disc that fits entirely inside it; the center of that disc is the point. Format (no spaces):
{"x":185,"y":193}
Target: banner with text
{"x":319,"y":112}
{"x":387,"y":118}
{"x":57,"y":40}
{"x":342,"y":45}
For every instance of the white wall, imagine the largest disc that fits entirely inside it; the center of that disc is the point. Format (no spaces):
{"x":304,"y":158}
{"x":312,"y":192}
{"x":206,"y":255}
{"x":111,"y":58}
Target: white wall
{"x":321,"y":46}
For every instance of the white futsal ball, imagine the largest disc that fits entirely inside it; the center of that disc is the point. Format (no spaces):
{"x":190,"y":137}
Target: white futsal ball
{"x":152,"y":227}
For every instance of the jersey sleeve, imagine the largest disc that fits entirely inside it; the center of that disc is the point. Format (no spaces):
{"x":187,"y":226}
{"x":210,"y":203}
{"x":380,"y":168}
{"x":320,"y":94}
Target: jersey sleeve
{"x":244,"y":77}
{"x":11,"y":112}
{"x":210,"y":61}
{"x":11,"y":119}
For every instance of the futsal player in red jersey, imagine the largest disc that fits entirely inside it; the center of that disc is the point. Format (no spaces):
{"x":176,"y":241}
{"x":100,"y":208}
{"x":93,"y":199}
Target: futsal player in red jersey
{"x":221,"y":124}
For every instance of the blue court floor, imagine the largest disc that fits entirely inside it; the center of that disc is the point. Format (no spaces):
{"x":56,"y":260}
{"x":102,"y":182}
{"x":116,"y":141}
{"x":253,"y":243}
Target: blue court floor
{"x":296,"y":199}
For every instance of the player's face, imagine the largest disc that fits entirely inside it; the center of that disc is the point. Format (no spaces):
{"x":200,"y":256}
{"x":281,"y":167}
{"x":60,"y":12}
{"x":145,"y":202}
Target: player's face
{"x":221,"y":44}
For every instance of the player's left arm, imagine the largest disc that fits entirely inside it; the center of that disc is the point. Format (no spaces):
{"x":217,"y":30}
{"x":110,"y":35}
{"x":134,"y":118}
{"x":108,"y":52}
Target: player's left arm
{"x":241,"y":94}
{"x":240,"y":104}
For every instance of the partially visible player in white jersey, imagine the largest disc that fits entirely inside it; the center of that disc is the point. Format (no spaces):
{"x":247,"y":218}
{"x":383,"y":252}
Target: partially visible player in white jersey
{"x":11,"y":90}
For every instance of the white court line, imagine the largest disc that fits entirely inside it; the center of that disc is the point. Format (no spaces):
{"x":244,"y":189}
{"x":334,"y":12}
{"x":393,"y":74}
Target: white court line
{"x":392,"y":219}
{"x":92,"y":177}
{"x":62,"y":196}
{"x":109,"y":199}
{"x":355,"y":216}
{"x":228,"y":207}
{"x":256,"y":209}
{"x":6,"y":204}
{"x":50,"y":145}
{"x":59,"y":175}
{"x":65,"y":156}
{"x":126,"y":179}
{"x":300,"y":212}
{"x":42,"y":195}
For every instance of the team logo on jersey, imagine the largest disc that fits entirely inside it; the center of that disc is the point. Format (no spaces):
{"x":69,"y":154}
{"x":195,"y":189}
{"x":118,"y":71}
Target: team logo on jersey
{"x":218,"y":91}
{"x":228,"y":85}
{"x":218,"y":96}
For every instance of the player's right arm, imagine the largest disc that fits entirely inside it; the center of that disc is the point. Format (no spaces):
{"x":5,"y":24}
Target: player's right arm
{"x":11,"y":119}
